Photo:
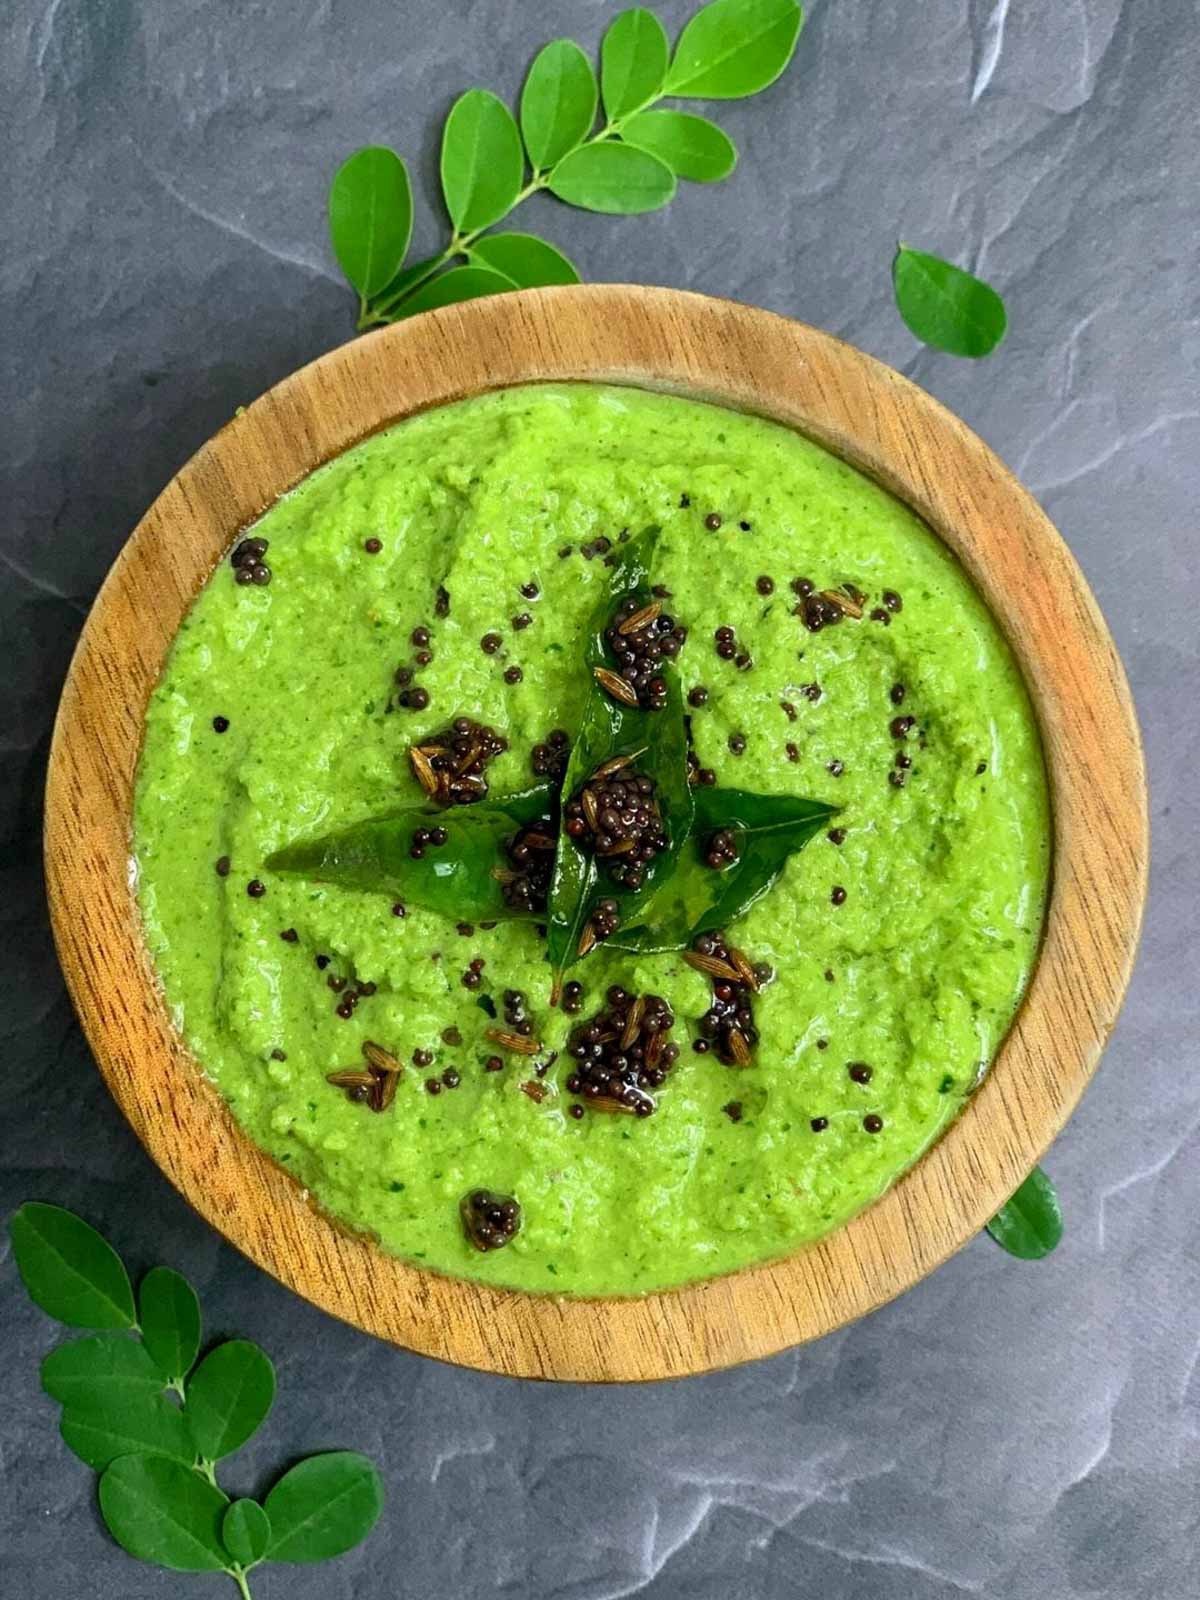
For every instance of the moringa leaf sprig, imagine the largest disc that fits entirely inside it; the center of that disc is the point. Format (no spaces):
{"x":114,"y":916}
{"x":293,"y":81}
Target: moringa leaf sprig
{"x":599,"y":142}
{"x":154,"y":1421}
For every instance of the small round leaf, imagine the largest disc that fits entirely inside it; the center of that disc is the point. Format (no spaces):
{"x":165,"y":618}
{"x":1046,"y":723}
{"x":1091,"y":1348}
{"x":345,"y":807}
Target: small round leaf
{"x":558,"y":102}
{"x":169,"y":1313}
{"x":633,"y":62}
{"x":460,"y":283}
{"x":108,"y":1426}
{"x":482,"y":160}
{"x":734,"y":48}
{"x":693,"y":147}
{"x":370,"y":217}
{"x":946,"y":307}
{"x":529,"y":262}
{"x":1030,"y":1225}
{"x":246,"y":1532}
{"x":616,"y":178}
{"x":88,"y":1371}
{"x":69,"y":1270}
{"x":323,"y":1507}
{"x":160,"y":1511}
{"x":228,"y":1397}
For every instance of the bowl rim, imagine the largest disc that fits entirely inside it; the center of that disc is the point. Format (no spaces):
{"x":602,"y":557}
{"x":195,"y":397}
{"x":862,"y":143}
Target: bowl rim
{"x":728,"y":354}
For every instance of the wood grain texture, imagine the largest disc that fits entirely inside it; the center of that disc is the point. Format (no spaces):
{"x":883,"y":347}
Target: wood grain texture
{"x":706,"y":349}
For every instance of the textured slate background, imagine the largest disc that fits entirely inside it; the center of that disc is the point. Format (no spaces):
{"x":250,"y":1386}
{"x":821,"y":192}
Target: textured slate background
{"x":1004,"y":1430}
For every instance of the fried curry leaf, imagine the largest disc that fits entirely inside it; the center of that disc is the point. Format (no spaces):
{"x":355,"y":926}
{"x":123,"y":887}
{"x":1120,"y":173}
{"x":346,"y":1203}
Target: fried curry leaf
{"x":697,"y":898}
{"x":455,"y":878}
{"x":610,"y":729}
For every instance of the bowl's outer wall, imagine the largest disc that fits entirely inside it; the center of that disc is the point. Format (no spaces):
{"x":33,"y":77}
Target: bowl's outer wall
{"x":733,"y":355}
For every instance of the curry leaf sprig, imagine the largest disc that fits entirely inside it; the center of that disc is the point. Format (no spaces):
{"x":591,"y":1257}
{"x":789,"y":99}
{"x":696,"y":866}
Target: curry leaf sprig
{"x":154,"y":1422}
{"x":602,"y":144}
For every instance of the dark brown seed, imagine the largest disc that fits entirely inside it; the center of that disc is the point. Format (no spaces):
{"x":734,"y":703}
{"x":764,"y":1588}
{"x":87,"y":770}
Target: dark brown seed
{"x":737,"y":743}
{"x":399,"y":909}
{"x":451,"y":1078}
{"x":712,"y":965}
{"x":873,"y":1123}
{"x":859,"y":1071}
{"x":698,"y":696}
{"x":535,"y":1090}
{"x":255,"y":889}
{"x":892,"y":600}
{"x":289,"y":935}
{"x":521,"y":622}
{"x":372,"y":546}
{"x":415,"y":699}
{"x":575,"y":1111}
{"x":896,"y":694}
{"x":385,"y":1091}
{"x":788,"y":710}
{"x":822,"y":1044}
{"x":829,"y":975}
{"x":640,"y":619}
{"x":493,"y":1064}
{"x":899,"y":727}
{"x":490,"y":643}
{"x":712,"y":521}
{"x":980,"y":768}
{"x":220,"y":724}
{"x":837,"y":895}
{"x":513,"y":675}
{"x":350,"y":1078}
{"x":836,"y":835}
{"x":738,"y":1048}
{"x":441,"y":604}
{"x":896,"y":779}
{"x":423,"y":657}
{"x":793,"y":751}
{"x":836,"y":768}
{"x":433,"y":1086}
{"x":419,"y":637}
{"x":765,"y":585}
{"x":819,"y":1124}
{"x":733,"y":1110}
{"x":880,"y":615}
{"x":530,"y":590}
{"x":223,"y":865}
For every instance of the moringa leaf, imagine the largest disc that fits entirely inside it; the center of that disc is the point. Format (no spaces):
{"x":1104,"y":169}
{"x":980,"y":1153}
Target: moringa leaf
{"x":370,"y":217}
{"x":945,"y":307}
{"x":527,"y":261}
{"x":633,"y":62}
{"x":454,"y":879}
{"x":246,"y":1532}
{"x":693,"y":147}
{"x":90,"y":1371}
{"x":482,"y":161}
{"x":323,"y":1507}
{"x":616,"y":178}
{"x":698,"y":898}
{"x":734,"y":48}
{"x":558,"y":103}
{"x":460,"y":283}
{"x":1029,"y":1225}
{"x":110,"y":1424}
{"x":609,"y":729}
{"x":170,"y":1322}
{"x":160,"y":1511}
{"x":68,"y":1270}
{"x":228,"y":1397}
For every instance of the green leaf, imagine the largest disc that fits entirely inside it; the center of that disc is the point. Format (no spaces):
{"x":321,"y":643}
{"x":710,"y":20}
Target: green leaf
{"x":160,"y":1511}
{"x":558,"y":103}
{"x":527,"y":261}
{"x":946,"y":307}
{"x":370,"y":217}
{"x":615,"y":178}
{"x":460,"y":283}
{"x":402,"y":282}
{"x":455,"y":879}
{"x":246,"y":1532}
{"x":113,"y":1424}
{"x":609,"y":729}
{"x":482,"y":162}
{"x":734,"y":48}
{"x":228,"y":1397}
{"x":696,"y":898}
{"x":88,"y":1372}
{"x":693,"y":147}
{"x":170,"y":1321}
{"x":633,"y":62}
{"x":69,"y":1270}
{"x":1030,"y":1225}
{"x":324,"y":1506}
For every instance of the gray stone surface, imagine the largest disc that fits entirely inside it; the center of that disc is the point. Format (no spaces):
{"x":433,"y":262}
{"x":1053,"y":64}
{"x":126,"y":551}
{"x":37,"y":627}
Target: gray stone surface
{"x":1004,"y":1430}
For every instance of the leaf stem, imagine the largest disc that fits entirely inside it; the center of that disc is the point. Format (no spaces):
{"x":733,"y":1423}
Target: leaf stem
{"x":238,"y":1574}
{"x":207,"y":1469}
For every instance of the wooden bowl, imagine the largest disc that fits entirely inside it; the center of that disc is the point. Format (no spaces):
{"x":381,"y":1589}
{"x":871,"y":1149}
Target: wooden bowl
{"x":736,"y":356}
